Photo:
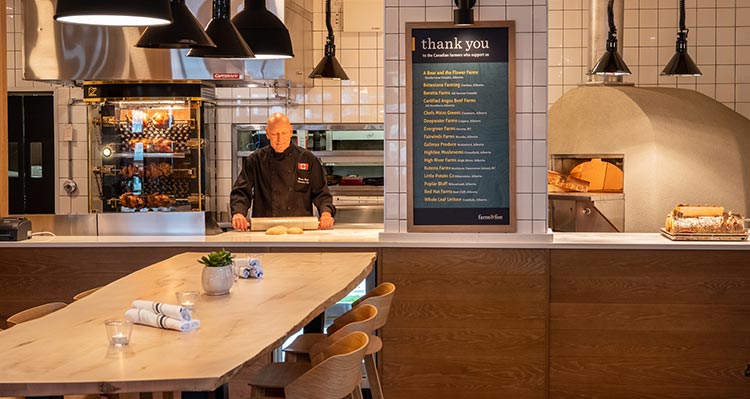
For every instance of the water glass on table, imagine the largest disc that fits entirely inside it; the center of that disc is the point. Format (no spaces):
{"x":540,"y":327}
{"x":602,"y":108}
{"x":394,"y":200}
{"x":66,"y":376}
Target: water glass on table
{"x":118,"y":332}
{"x":187,"y":299}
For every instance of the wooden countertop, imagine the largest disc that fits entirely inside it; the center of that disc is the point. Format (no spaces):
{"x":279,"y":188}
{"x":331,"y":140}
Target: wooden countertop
{"x":67,"y":351}
{"x":376,"y":238}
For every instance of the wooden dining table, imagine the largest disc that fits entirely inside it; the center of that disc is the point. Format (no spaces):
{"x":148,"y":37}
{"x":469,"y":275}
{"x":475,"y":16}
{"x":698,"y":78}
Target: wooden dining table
{"x":67,"y":352}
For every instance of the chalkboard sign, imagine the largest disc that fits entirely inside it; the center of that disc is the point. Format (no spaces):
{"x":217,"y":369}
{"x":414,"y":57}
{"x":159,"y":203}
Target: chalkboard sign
{"x":460,"y":85}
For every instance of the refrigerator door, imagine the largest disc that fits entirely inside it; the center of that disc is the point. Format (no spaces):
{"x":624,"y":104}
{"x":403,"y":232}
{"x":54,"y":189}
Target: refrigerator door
{"x":31,"y":154}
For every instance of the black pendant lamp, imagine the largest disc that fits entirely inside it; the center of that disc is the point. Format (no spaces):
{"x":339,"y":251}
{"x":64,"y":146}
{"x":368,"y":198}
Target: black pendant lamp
{"x":114,"y":12}
{"x":329,"y":67}
{"x":263,"y":31}
{"x":611,"y":63}
{"x":464,"y":15}
{"x":681,"y":64}
{"x":229,"y":42}
{"x":184,"y":32}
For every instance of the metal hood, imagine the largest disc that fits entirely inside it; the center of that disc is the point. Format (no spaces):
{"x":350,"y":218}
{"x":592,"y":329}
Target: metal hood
{"x":53,"y":51}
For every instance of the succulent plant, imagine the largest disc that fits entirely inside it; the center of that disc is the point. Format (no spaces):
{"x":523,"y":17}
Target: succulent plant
{"x":217,"y":258}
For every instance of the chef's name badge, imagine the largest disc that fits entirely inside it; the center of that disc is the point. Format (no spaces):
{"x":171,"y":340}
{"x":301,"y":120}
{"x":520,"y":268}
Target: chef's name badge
{"x":303,"y":180}
{"x":303,"y":166}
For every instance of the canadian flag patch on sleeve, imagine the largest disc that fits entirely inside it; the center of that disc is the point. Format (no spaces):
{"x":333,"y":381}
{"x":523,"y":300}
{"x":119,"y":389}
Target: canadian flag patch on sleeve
{"x":303,"y":166}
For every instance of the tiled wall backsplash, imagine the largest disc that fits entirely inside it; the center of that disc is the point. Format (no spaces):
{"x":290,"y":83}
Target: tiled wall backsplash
{"x":531,"y":102}
{"x":719,"y":43}
{"x":359,"y":100}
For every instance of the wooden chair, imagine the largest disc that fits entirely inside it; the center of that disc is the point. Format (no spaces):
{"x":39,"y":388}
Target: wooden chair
{"x":84,"y":294}
{"x":34,"y":313}
{"x":361,"y":318}
{"x":381,"y":297}
{"x":334,"y":373}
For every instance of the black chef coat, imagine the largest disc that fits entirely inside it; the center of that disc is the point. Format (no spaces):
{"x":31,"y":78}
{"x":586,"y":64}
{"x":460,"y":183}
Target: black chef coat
{"x":280,"y":185}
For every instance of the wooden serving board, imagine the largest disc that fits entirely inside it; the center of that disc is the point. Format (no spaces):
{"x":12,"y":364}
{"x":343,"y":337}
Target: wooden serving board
{"x":702,"y":237}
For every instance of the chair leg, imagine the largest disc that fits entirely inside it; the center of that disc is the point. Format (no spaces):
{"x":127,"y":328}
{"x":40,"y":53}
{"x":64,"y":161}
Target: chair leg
{"x":372,"y":377}
{"x":357,"y":393}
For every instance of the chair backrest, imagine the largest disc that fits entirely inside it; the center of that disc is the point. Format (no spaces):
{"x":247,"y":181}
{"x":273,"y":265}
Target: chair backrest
{"x":34,"y":313}
{"x":361,"y":318}
{"x":86,"y":293}
{"x":336,"y":371}
{"x":381,"y":297}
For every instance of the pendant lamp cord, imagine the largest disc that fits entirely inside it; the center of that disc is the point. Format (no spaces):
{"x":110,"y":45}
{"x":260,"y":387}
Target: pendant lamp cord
{"x":682,"y":16}
{"x":611,"y":18}
{"x":682,"y":34}
{"x":612,"y":36}
{"x":329,"y":39}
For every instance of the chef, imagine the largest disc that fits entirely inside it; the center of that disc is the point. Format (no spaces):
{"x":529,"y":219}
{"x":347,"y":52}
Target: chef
{"x":281,"y":180}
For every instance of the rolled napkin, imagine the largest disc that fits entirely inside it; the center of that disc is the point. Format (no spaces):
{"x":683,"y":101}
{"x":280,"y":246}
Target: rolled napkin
{"x":149,"y":318}
{"x":172,"y":311}
{"x":251,"y":272}
{"x":249,"y":267}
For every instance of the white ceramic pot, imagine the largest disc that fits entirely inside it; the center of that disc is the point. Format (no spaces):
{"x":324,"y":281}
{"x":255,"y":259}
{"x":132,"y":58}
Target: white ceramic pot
{"x":217,"y":280}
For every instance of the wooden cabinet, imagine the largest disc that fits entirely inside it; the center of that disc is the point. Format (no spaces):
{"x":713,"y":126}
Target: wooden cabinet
{"x":465,"y":323}
{"x":597,"y":324}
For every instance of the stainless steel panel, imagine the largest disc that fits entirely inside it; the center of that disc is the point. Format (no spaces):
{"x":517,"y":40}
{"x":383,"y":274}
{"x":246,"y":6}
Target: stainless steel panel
{"x":68,"y":52}
{"x":613,"y":212}
{"x":64,"y":225}
{"x":356,"y":214}
{"x":152,"y":223}
{"x":580,"y":213}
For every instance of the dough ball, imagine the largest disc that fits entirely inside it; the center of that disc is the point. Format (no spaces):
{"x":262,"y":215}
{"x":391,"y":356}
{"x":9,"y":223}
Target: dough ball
{"x":276,"y":230}
{"x":295,"y":230}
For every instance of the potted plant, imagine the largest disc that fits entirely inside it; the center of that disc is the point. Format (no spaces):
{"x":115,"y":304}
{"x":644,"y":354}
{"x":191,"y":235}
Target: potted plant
{"x":218,"y":273}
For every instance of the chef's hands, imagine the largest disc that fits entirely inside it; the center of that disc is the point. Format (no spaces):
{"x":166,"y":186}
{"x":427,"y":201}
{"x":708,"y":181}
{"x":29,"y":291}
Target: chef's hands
{"x":325,"y":221}
{"x":239,"y":222}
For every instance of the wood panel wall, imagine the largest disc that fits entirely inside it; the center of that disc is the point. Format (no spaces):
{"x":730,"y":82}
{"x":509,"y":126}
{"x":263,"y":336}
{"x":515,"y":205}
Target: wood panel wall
{"x":649,"y":324}
{"x":465,"y":323}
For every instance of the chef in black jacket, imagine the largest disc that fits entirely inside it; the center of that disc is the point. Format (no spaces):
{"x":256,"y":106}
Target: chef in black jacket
{"x":281,"y":180}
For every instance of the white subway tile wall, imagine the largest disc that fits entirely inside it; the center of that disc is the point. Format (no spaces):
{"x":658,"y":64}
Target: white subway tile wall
{"x":359,"y":100}
{"x":531,"y":101}
{"x":719,"y":43}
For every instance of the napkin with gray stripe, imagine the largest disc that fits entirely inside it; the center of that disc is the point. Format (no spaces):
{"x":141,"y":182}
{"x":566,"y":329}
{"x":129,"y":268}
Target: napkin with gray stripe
{"x":149,"y":318}
{"x":172,"y":311}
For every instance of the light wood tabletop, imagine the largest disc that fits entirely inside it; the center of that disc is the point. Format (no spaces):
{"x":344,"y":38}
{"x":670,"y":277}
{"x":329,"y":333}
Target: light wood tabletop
{"x":67,"y":352}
